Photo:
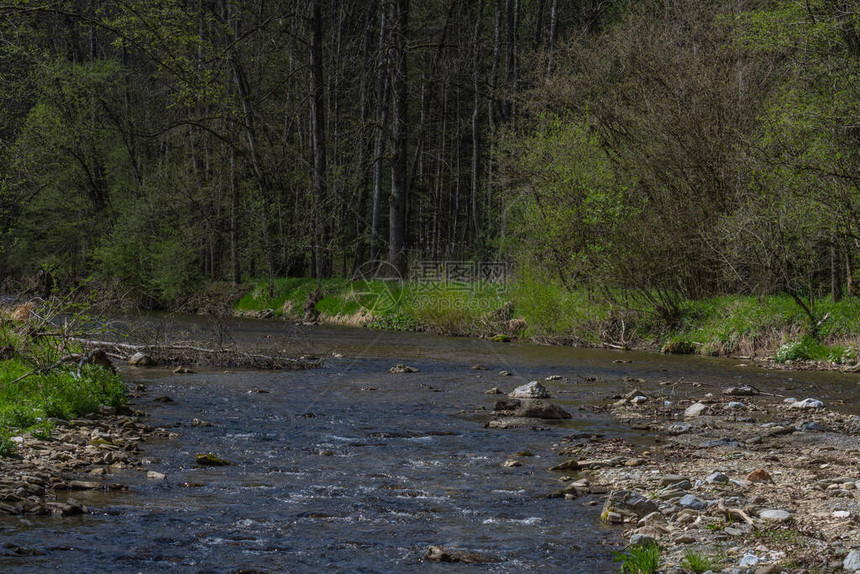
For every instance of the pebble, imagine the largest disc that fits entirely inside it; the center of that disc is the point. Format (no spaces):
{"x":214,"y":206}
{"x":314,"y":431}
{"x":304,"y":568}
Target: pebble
{"x":759,"y":475}
{"x":774,"y":515}
{"x":717,"y":477}
{"x":694,"y":502}
{"x":749,"y":560}
{"x":852,"y":561}
{"x":695,"y":410}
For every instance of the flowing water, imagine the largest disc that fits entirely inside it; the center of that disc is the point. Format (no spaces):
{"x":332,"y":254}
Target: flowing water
{"x":349,"y":468}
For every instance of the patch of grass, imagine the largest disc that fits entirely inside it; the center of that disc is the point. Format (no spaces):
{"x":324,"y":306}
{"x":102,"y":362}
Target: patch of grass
{"x":808,"y":349}
{"x":454,"y":309}
{"x":698,"y":563}
{"x":546,"y":310}
{"x":643,"y":559}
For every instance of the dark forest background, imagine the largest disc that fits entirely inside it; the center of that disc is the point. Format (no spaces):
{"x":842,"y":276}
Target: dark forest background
{"x":675,"y":147}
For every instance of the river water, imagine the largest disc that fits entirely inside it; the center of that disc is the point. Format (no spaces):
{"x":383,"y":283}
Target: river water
{"x":349,"y":468}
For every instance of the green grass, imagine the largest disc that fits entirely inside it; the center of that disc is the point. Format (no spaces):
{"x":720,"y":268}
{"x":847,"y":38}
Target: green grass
{"x":726,"y":325}
{"x":643,"y":559}
{"x":28,"y":405}
{"x":698,"y":563}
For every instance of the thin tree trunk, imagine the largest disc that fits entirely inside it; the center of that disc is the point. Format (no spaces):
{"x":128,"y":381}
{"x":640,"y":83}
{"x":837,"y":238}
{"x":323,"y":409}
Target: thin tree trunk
{"x":321,"y":254}
{"x":364,"y":98}
{"x":398,"y":197}
{"x":381,"y":127}
{"x":553,"y":33}
{"x":835,"y":271}
{"x":476,"y":130}
{"x":234,"y":217}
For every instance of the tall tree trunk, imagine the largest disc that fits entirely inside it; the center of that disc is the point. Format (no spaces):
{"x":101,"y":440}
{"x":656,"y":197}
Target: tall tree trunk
{"x":553,"y":33}
{"x":835,"y":271}
{"x":364,"y":110}
{"x":398,"y":198}
{"x":234,"y":219}
{"x":322,"y":256}
{"x":476,"y":129}
{"x":381,"y":127}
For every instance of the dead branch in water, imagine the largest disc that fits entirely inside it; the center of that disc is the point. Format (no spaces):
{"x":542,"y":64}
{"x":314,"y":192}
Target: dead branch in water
{"x":185,"y":354}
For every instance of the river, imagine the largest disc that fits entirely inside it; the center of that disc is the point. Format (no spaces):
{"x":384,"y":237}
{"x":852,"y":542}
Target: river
{"x":349,"y":468}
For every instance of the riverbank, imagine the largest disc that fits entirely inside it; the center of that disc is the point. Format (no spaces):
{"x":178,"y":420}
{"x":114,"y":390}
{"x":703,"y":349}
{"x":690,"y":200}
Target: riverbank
{"x":737,"y":481}
{"x":772,"y":328}
{"x":64,"y":424}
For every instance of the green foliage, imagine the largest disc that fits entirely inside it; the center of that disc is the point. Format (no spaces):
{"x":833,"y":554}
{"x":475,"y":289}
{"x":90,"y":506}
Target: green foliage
{"x":809,"y":349}
{"x":698,"y":563}
{"x":642,"y":559}
{"x":30,"y":394}
{"x":8,"y":448}
{"x":570,"y":200}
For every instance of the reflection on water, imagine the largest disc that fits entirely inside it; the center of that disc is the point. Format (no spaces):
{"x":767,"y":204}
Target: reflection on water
{"x":352,"y":469}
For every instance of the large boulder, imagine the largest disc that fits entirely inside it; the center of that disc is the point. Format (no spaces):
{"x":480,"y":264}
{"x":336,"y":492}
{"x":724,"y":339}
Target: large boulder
{"x":141,"y":360}
{"x":532,"y":390}
{"x":539,"y":409}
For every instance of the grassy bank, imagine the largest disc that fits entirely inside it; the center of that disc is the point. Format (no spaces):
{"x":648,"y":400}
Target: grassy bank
{"x":773,"y":326}
{"x":38,"y":386}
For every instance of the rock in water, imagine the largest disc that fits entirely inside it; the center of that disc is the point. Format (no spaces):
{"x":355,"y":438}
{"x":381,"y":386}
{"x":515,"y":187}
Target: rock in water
{"x":141,"y":360}
{"x":439,"y":554}
{"x":539,"y":409}
{"x":533,"y":390}
{"x":402,"y":369}
{"x":210,"y":459}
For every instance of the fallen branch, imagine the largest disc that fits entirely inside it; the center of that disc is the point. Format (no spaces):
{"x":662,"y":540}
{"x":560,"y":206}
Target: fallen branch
{"x":183,"y":353}
{"x":41,"y":370}
{"x":734,"y":512}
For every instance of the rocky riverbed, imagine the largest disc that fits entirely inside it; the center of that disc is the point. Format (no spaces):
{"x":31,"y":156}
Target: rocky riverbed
{"x":744,"y":481}
{"x":79,"y":455}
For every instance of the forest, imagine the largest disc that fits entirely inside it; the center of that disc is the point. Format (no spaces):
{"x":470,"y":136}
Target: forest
{"x":665,"y":149}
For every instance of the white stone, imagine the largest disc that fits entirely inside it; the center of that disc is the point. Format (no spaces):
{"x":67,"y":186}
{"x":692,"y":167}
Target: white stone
{"x":749,"y":560}
{"x":774,"y":515}
{"x":841,"y":514}
{"x":695,"y":410}
{"x":533,"y":390}
{"x":155,"y":475}
{"x":807,"y":404}
{"x":852,"y":561}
